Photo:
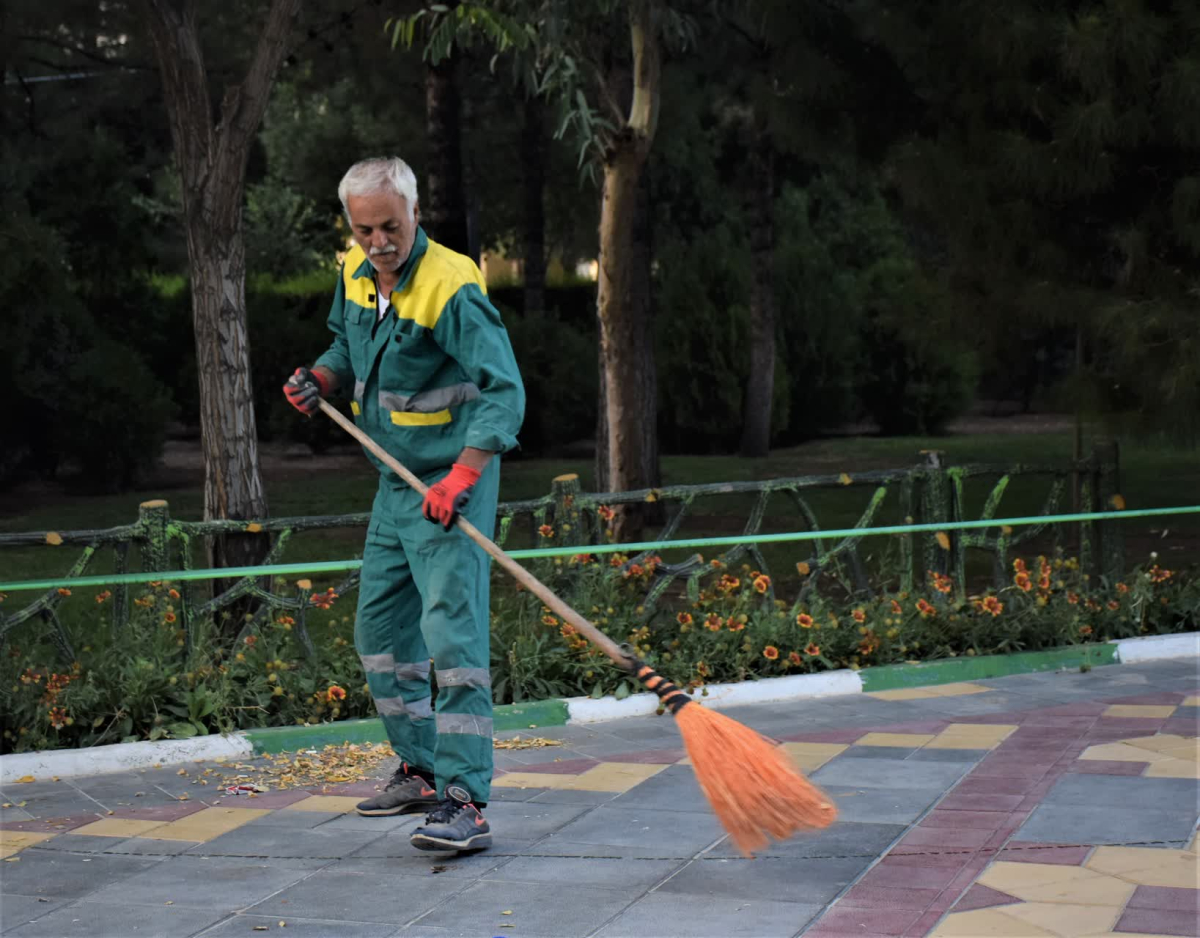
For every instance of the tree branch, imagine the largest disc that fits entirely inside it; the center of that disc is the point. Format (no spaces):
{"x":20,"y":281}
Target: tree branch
{"x":78,"y":50}
{"x":244,"y":105}
{"x":647,"y":66}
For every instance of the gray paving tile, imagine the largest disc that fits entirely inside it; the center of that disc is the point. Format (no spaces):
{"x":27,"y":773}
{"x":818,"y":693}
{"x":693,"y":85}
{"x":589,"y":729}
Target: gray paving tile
{"x":530,"y":757}
{"x":568,"y":796}
{"x":80,"y":843}
{"x":219,"y":883}
{"x":537,"y":909}
{"x":297,"y":820}
{"x":673,"y":789}
{"x":881,"y":805}
{"x":528,"y":821}
{"x":1182,"y":794}
{"x":1105,"y":824}
{"x":965,"y":757}
{"x":878,"y":752}
{"x":58,"y":875}
{"x":558,"y":846}
{"x":889,"y":773}
{"x":243,"y":925}
{"x":58,"y":804}
{"x":666,"y":915}
{"x":144,"y":846}
{"x":90,"y":919}
{"x":408,"y":861}
{"x":275,"y":841}
{"x":681,"y":830}
{"x":514,"y":794}
{"x":18,"y":910}
{"x":803,"y":880}
{"x":368,"y":825}
{"x":359,"y":897}
{"x":633,"y":875}
{"x":842,"y":839}
{"x":397,"y":846}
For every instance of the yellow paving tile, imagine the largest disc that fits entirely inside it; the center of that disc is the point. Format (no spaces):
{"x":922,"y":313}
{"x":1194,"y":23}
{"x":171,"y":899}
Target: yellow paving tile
{"x":1138,"y":710}
{"x":911,"y":740}
{"x":811,"y":756}
{"x":1194,"y":846}
{"x":1191,"y":702}
{"x":904,"y":693}
{"x":987,"y":922}
{"x":1173,"y":768}
{"x":117,"y":827}
{"x":1160,"y":743}
{"x":1149,"y":866}
{"x":1013,"y":878}
{"x":206,"y":824}
{"x":1122,"y":752}
{"x":338,"y":803}
{"x":1100,"y":889}
{"x":532,"y":780}
{"x":959,"y":689}
{"x":971,"y":736}
{"x":1189,"y":749}
{"x":13,"y":842}
{"x":614,"y":776}
{"x":1066,"y":920}
{"x":991,"y":730}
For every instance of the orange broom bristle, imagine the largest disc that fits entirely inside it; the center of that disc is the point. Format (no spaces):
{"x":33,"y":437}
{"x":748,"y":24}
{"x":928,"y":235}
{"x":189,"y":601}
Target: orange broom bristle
{"x":753,"y":787}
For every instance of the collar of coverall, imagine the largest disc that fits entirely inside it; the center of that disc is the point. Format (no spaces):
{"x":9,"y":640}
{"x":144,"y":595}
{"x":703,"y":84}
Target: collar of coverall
{"x":420,"y":245}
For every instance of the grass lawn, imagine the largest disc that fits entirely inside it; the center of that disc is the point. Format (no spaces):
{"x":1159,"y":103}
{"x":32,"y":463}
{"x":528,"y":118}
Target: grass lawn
{"x":1151,"y":476}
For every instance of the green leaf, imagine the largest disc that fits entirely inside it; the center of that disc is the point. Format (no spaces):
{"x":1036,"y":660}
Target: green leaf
{"x":133,"y":738}
{"x":156,"y":733}
{"x":622,"y":691}
{"x":181,"y":730}
{"x":597,"y":691}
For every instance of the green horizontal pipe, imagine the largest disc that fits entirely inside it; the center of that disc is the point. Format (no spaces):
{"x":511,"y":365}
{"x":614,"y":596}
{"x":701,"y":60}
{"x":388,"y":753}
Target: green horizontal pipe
{"x":329,"y":566}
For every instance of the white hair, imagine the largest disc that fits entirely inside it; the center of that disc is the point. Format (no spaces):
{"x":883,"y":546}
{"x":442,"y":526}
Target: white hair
{"x":379,"y":174}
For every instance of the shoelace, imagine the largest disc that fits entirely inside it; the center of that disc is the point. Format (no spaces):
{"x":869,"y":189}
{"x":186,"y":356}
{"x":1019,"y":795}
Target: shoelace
{"x":446,"y":811}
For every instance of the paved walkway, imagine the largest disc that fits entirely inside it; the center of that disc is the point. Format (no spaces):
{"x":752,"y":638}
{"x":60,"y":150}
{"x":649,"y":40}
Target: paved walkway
{"x":1048,"y":804}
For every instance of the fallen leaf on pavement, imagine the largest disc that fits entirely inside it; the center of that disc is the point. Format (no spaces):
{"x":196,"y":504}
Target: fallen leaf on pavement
{"x":525,"y":742}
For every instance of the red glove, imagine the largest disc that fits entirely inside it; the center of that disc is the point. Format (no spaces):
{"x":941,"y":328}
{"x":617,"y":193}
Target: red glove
{"x":445,"y":499}
{"x":303,"y":389}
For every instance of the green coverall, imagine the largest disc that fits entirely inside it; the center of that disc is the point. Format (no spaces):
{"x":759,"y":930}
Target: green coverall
{"x":435,"y":375}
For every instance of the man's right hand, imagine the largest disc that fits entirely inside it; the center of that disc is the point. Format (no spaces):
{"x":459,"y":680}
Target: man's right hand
{"x":304,"y":388}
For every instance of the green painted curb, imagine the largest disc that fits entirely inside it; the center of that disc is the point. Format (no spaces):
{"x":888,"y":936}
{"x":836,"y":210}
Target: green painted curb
{"x":894,"y":676}
{"x":520,"y":716}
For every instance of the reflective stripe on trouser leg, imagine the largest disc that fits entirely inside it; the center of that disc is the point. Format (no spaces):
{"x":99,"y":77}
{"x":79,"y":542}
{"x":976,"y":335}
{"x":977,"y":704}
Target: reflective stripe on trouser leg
{"x":453,"y":573}
{"x":388,"y":637}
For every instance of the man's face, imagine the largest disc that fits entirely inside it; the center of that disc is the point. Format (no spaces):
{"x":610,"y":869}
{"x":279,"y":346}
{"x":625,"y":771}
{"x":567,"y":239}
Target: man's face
{"x":382,"y":227}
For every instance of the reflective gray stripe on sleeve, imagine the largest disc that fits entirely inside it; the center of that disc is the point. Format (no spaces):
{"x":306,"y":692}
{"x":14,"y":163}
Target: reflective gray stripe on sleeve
{"x":397,"y":707}
{"x":464,"y":677}
{"x":377,"y":664}
{"x":464,"y":723}
{"x":359,"y":387}
{"x":431,"y":401}
{"x":413,"y":671}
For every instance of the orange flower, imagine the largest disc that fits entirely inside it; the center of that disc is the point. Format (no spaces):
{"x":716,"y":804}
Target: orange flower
{"x":63,"y":591}
{"x":762,"y":583}
{"x":859,"y":615}
{"x":990,"y":604}
{"x":1085,"y":630}
{"x":605,"y":512}
{"x":31,"y":677}
{"x":713,"y":622}
{"x":804,"y":620}
{"x":794,"y":657}
{"x":173,"y":593}
{"x":583,"y":558}
{"x":324,"y":600}
{"x":144,"y":602}
{"x":250,"y":640}
{"x":1122,"y":588}
{"x":549,"y":620}
{"x":101,"y":597}
{"x":635,"y":570}
{"x":286,"y":620}
{"x":702,"y":669}
{"x":335,"y":693}
{"x":1158,"y":575}
{"x":1044,"y":581}
{"x":684,"y":618}
{"x":546,"y":531}
{"x":1072,"y":598}
{"x":770,"y":652}
{"x":168,"y":617}
{"x":803,"y":568}
{"x":1019,"y":566}
{"x":735,"y":625}
{"x":728,"y":583}
{"x":897,"y":609}
{"x":1113,"y":605}
{"x":1023,"y":582}
{"x":927,"y":611}
{"x":812,"y":650}
{"x":57,"y":717}
{"x":940,"y":582}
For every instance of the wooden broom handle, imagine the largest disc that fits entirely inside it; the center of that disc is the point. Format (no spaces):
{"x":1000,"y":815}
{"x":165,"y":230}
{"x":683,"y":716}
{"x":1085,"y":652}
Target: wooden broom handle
{"x":522,"y":576}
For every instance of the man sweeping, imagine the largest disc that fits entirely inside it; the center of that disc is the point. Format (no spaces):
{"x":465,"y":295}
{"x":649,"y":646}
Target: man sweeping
{"x":433,"y":380}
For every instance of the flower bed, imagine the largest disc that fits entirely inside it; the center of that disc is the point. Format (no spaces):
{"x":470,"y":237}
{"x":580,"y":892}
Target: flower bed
{"x":146,"y":683}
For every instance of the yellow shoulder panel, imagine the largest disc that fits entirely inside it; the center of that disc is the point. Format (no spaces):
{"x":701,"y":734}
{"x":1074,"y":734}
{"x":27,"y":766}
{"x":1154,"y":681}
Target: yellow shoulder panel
{"x":361,"y":289}
{"x":440,"y":275}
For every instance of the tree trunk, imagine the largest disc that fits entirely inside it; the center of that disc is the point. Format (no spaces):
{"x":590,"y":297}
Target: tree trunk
{"x":533,"y":160}
{"x":444,"y":210}
{"x":212,"y":167}
{"x":760,"y":383}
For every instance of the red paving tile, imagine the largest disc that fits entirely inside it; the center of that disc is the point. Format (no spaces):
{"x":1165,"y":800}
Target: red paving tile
{"x":982,"y":897}
{"x":829,"y":736}
{"x":839,"y":922}
{"x":925,"y":856}
{"x":54,"y":825}
{"x":1104,"y":767}
{"x":568,"y":766}
{"x":979,"y":820}
{"x":995,"y":786}
{"x":1159,"y":922}
{"x":1166,"y":898}
{"x":1179,"y":727}
{"x":645,"y":757}
{"x":1027,"y":851}
{"x":957,"y":802}
{"x":924,"y":925}
{"x":1136,"y":724}
{"x":1161,"y":698}
{"x":1082,"y":721}
{"x":165,"y":812}
{"x":269,"y":799}
{"x":946,"y":837}
{"x":888,"y":897}
{"x":1012,"y":769}
{"x":905,"y":876}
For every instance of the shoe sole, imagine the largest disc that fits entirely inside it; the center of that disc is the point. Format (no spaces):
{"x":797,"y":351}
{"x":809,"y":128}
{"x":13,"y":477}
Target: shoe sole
{"x":476,"y":842}
{"x":409,"y":807}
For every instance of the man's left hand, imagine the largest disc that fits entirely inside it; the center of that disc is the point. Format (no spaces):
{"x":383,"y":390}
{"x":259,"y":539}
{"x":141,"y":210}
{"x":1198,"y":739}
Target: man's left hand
{"x":445,"y":499}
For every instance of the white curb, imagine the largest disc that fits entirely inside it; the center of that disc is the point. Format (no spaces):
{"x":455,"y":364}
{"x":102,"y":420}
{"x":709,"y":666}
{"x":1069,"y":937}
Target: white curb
{"x":1157,"y":647}
{"x":119,"y":757}
{"x":793,"y":687}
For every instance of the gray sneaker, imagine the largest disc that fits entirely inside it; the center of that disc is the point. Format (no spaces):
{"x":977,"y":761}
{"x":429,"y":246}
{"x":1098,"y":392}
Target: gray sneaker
{"x":406,"y":793}
{"x":455,"y":824}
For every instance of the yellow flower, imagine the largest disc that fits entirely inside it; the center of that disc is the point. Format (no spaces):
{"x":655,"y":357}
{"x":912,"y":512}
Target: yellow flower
{"x":802,"y":568}
{"x":804,"y":620}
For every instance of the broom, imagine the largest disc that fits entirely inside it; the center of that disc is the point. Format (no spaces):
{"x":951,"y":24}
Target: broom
{"x":751,"y":784}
